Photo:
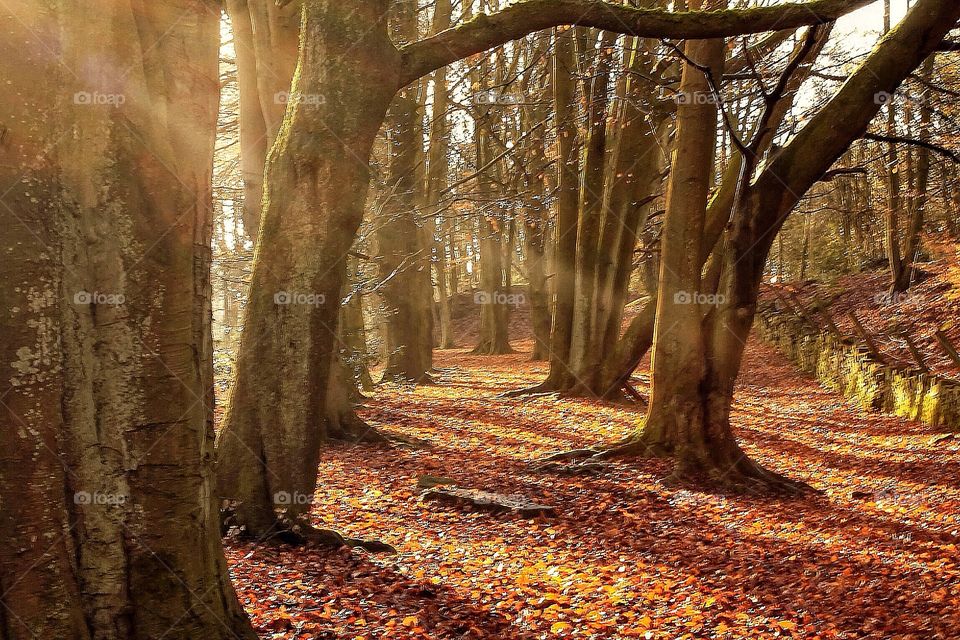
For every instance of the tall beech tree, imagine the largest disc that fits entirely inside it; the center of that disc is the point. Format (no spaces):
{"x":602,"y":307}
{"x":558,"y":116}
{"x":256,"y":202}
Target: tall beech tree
{"x":623,"y":356}
{"x":436,"y":181}
{"x":109,"y":514}
{"x":695,"y":427}
{"x":316,"y":181}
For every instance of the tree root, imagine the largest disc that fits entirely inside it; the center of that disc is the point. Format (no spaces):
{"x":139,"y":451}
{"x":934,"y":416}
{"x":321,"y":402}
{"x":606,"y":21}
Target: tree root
{"x":400,"y":378}
{"x":743,"y":477}
{"x":572,"y":454}
{"x":634,"y":446}
{"x":544,"y":388}
{"x":353,"y":429}
{"x":301,"y":533}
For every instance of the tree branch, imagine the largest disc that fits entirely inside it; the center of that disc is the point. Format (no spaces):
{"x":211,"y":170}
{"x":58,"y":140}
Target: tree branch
{"x":943,"y":151}
{"x":804,"y":160}
{"x":833,"y":174}
{"x":526,"y":16}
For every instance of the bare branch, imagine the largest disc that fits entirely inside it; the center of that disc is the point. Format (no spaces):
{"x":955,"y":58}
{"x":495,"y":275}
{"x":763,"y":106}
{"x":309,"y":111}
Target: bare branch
{"x":519,"y":19}
{"x":876,"y":137}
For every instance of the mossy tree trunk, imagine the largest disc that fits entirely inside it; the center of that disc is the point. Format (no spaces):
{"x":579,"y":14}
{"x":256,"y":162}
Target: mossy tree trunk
{"x":316,"y":181}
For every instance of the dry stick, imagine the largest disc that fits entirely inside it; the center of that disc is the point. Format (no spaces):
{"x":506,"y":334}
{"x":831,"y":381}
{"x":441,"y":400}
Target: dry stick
{"x":914,"y":351}
{"x":947,"y":346}
{"x":632,"y":392}
{"x":871,"y":345}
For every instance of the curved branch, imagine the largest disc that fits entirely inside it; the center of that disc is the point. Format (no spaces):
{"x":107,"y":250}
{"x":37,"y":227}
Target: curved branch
{"x":524,"y":17}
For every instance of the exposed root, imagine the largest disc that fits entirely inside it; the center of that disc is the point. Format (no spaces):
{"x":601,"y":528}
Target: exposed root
{"x":300,"y":533}
{"x":545,"y":388}
{"x":585,"y":468}
{"x":402,"y":378}
{"x":634,"y":446}
{"x":351,"y":428}
{"x":743,"y":477}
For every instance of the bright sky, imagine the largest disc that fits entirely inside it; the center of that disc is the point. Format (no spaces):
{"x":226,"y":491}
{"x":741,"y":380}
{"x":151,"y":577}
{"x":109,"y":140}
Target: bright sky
{"x":870,"y":19}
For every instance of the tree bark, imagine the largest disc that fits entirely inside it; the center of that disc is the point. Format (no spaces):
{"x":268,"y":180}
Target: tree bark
{"x":678,"y":362}
{"x":436,"y":182}
{"x":109,"y":514}
{"x":583,"y":339}
{"x":317,"y":178}
{"x":568,"y":166}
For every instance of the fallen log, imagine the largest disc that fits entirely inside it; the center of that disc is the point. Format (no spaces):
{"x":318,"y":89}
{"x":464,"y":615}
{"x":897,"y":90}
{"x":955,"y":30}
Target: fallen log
{"x":488,"y":501}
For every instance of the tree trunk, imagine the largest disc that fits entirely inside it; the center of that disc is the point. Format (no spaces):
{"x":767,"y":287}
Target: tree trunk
{"x":353,"y":330}
{"x":493,"y":297}
{"x":678,"y":362}
{"x":265,"y":39}
{"x":109,"y":515}
{"x":919,"y":196}
{"x":584,"y":337}
{"x":404,"y":262}
{"x":437,"y":180}
{"x":568,"y":165}
{"x":316,"y":183}
{"x":494,"y":294}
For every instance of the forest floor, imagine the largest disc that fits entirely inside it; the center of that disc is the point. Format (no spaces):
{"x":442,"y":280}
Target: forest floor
{"x":875,"y":556}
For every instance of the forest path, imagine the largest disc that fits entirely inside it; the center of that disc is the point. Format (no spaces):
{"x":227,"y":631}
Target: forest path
{"x":874,"y":557}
